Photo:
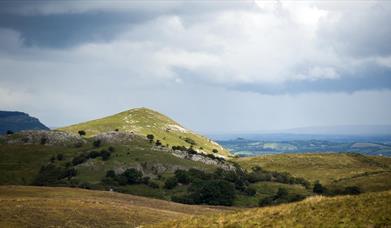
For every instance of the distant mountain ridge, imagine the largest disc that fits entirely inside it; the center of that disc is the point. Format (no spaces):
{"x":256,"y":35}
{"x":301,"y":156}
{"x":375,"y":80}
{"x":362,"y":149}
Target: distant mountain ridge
{"x":18,"y":121}
{"x":343,"y":130}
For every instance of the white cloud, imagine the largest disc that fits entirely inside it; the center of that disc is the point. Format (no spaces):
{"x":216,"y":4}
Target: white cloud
{"x":163,"y":62}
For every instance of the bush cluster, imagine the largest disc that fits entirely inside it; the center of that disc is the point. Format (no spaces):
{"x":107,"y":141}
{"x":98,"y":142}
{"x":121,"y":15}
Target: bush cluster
{"x":104,"y":154}
{"x":128,"y":177}
{"x":52,"y":174}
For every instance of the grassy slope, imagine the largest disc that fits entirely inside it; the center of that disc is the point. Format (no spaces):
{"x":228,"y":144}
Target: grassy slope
{"x":67,"y":207}
{"x":20,"y":164}
{"x":366,"y":210}
{"x":145,"y":121}
{"x":330,"y":168}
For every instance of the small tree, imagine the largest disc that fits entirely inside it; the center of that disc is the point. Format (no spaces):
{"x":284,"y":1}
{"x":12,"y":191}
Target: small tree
{"x":97,"y":143}
{"x":190,"y":141}
{"x":133,"y":176}
{"x":352,"y":190}
{"x":171,"y":183}
{"x":105,"y":155}
{"x":44,"y":140}
{"x":215,"y":151}
{"x":9,"y":132}
{"x":150,"y":137}
{"x":158,"y":143}
{"x":318,"y":188}
{"x":60,"y":157}
{"x":82,"y":132}
{"x":182,"y":176}
{"x":110,"y":173}
{"x":251,"y":191}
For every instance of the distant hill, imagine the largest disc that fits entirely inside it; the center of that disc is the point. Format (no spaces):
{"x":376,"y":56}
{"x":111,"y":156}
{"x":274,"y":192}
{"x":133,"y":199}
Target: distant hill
{"x":366,"y":210}
{"x":18,"y":121}
{"x":143,"y":121}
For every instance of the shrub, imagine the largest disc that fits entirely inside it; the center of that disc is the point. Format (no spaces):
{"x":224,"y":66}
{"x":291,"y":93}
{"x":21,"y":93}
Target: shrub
{"x":86,"y":185}
{"x":171,"y":183}
{"x":60,"y":157}
{"x":191,"y":150}
{"x":133,"y":176}
{"x":265,"y":201}
{"x":181,"y":148}
{"x":105,"y":155}
{"x":215,"y":151}
{"x":282,"y":193}
{"x":352,"y":190}
{"x":79,"y":159}
{"x":97,"y":143}
{"x":318,"y":188}
{"x":93,"y":154}
{"x":145,"y":180}
{"x":9,"y":132}
{"x":251,"y":191}
{"x":190,"y":141}
{"x":110,"y":173}
{"x":214,"y":192}
{"x":182,"y":199}
{"x":43,"y":140}
{"x":82,"y":132}
{"x":182,"y":176}
{"x":51,"y":174}
{"x":158,"y":143}
{"x":121,"y":179}
{"x":111,"y":149}
{"x":153,"y":184}
{"x":150,"y":137}
{"x":108,"y":181}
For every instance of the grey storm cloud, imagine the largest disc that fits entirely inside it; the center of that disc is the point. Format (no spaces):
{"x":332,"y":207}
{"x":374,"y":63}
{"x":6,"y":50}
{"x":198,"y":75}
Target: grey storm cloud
{"x":222,"y":56}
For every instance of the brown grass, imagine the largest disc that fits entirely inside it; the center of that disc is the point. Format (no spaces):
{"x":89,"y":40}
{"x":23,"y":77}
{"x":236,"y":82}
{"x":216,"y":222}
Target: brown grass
{"x":22,"y":206}
{"x":366,"y":210}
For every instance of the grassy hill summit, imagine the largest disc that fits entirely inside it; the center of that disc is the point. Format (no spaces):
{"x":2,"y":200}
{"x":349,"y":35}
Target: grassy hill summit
{"x":144,"y":121}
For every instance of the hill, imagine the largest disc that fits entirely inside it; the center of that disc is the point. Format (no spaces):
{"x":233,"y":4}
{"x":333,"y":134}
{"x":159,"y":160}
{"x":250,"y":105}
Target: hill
{"x":22,"y":206}
{"x":366,"y":210}
{"x":333,"y":169}
{"x":143,"y":121}
{"x":18,"y":121}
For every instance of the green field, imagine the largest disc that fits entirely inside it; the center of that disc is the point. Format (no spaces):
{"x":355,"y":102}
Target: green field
{"x":365,"y":210}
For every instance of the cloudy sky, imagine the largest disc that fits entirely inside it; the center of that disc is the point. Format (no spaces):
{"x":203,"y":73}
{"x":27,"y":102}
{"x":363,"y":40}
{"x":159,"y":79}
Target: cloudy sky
{"x":213,"y":66}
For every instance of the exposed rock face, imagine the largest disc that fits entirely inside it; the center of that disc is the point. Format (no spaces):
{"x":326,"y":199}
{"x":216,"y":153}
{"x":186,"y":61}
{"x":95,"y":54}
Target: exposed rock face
{"x":200,"y":157}
{"x":115,"y":137}
{"x":44,"y":138}
{"x":18,"y":121}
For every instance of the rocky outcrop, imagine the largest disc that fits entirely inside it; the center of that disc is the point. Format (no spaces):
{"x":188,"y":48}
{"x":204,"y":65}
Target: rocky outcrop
{"x":44,"y":138}
{"x":18,"y":121}
{"x":200,"y":157}
{"x":115,"y":137}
